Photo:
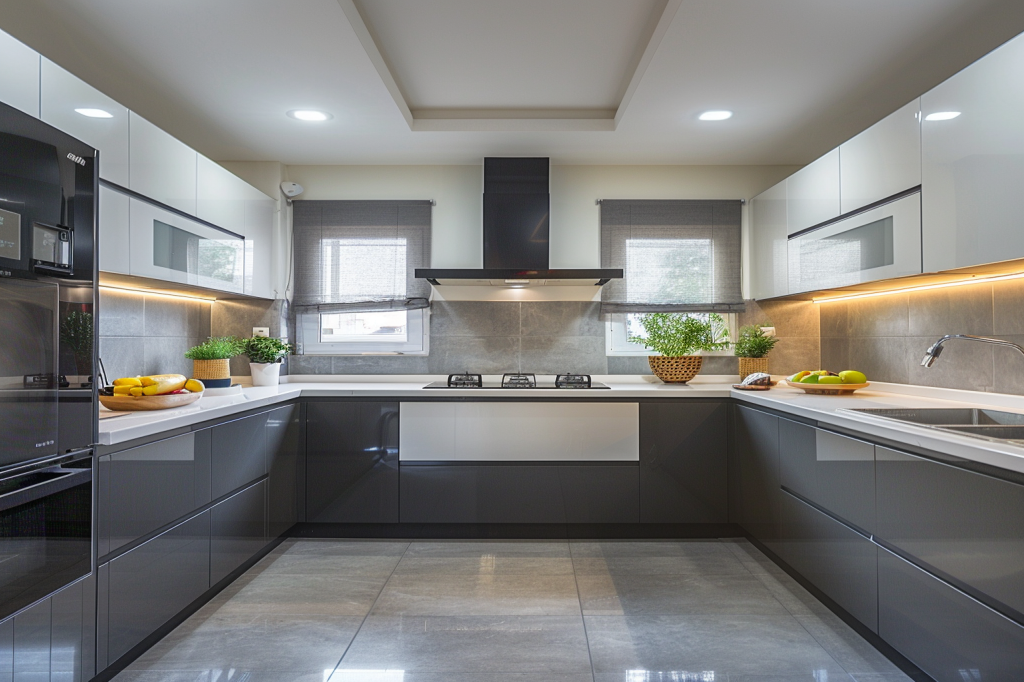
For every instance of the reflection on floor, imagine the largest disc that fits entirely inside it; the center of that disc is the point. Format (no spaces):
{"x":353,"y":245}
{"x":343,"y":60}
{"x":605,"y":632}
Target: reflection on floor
{"x":480,"y":611}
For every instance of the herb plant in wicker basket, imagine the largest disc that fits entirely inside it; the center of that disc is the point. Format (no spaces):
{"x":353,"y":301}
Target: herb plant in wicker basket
{"x":752,"y":348}
{"x":265,"y":356}
{"x":677,"y":336}
{"x":211,"y":360}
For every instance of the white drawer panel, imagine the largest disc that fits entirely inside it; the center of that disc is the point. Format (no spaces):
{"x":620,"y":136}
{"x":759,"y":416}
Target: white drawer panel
{"x":519,"y":431}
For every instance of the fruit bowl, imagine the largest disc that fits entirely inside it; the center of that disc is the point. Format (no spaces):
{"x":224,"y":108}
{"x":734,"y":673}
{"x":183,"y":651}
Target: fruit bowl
{"x":828,"y":389}
{"x":131,"y":403}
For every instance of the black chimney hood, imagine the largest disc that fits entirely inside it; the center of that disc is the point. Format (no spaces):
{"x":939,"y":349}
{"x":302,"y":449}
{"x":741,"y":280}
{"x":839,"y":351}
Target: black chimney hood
{"x":516,"y":219}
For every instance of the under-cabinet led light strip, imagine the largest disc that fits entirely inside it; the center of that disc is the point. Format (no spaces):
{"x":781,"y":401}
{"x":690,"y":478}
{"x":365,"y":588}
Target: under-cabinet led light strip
{"x":149,"y":292}
{"x":923,"y":287}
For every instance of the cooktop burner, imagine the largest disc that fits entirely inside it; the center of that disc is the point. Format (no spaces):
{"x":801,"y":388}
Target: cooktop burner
{"x":520,"y":380}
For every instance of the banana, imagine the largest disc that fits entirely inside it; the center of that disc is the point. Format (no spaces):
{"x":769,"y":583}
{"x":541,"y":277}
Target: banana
{"x":163,"y":384}
{"x":195,"y":386}
{"x":122,"y":390}
{"x":128,"y":381}
{"x":154,"y":379}
{"x":136,"y":390}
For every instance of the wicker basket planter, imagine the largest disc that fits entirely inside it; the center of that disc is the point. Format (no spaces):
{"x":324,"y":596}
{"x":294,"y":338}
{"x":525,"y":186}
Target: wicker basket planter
{"x":211,"y":369}
{"x":749,"y":366}
{"x":676,"y":369}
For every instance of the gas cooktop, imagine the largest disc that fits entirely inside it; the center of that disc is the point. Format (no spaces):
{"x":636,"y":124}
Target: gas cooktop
{"x":519,"y":380}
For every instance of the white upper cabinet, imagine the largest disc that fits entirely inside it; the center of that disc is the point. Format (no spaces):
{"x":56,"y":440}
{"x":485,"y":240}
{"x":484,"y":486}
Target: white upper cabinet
{"x":883,"y":160}
{"x":19,"y":75}
{"x":114,"y":249}
{"x":161,"y":167}
{"x":768,"y":240}
{"x":973,"y":163}
{"x":260,"y":211}
{"x":813,"y":193}
{"x":220,"y":196}
{"x":63,"y":98}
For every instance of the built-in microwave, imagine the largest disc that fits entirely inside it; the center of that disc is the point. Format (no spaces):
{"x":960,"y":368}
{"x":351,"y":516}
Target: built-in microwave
{"x":880,"y":243}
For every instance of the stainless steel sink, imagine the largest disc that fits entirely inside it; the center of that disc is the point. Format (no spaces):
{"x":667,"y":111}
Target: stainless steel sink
{"x":942,"y":416}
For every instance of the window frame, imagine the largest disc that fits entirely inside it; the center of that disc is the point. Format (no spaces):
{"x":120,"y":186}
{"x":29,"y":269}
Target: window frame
{"x":617,"y":343}
{"x":417,"y":343}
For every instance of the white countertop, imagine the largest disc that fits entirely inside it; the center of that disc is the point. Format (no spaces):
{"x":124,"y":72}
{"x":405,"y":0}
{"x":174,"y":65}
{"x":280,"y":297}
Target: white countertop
{"x":827,"y":410}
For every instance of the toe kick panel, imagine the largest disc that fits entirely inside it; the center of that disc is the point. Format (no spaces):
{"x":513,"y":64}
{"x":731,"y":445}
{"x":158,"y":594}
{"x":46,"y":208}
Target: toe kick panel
{"x":519,"y":431}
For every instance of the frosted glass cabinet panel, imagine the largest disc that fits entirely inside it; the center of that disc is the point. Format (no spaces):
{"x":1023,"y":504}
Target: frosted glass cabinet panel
{"x":769,"y":249}
{"x":19,"y":75}
{"x":65,"y":96}
{"x":166,"y":246}
{"x":883,"y":160}
{"x":813,"y":193}
{"x":973,"y":163}
{"x":161,"y":167}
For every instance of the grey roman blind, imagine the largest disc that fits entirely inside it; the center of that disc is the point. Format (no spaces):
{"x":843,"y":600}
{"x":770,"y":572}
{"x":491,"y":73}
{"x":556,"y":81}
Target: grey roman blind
{"x":357,"y":256}
{"x":676,"y":256}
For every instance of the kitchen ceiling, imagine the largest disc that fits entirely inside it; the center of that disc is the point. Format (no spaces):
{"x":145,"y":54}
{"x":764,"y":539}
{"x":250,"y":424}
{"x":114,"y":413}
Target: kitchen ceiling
{"x":452,"y":81}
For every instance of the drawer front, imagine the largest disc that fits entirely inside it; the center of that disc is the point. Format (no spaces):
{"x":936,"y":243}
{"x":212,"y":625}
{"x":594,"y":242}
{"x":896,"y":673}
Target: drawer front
{"x":964,"y":526}
{"x":945,"y":633}
{"x":145,"y":488}
{"x":837,"y":560}
{"x":153,"y":582}
{"x":238,"y":530}
{"x":833,"y":471}
{"x":285,"y":449}
{"x":754,"y":473}
{"x":520,"y":494}
{"x":239,"y":453}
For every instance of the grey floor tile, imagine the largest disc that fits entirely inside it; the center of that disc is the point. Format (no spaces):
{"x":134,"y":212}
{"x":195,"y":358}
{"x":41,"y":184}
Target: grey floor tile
{"x":349,"y":547}
{"x":485,"y":564}
{"x":723,"y":645}
{"x":709,"y":558}
{"x":481,"y":595}
{"x":851,"y":650}
{"x":680,"y":594}
{"x":350,"y":566}
{"x":645,"y":548}
{"x":813,"y":676}
{"x":485,"y":677}
{"x":880,"y":677}
{"x":477,"y":548}
{"x":287,"y":644}
{"x":320,"y":595}
{"x":219,"y":675}
{"x":467,"y":644}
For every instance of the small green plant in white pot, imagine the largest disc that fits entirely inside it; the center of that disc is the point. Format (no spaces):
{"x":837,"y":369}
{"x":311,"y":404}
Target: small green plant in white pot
{"x":678,"y":337}
{"x":265,"y":355}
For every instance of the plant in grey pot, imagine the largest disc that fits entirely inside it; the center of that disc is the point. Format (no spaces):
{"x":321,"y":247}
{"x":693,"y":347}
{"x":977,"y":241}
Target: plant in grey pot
{"x":752,"y":348}
{"x":678,"y":337}
{"x":265,"y":355}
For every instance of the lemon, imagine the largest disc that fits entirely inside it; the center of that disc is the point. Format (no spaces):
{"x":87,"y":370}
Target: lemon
{"x":852,"y":376}
{"x":829,"y":380}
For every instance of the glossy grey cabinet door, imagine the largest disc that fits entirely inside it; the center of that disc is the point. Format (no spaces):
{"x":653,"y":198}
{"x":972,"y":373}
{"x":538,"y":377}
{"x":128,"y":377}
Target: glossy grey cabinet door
{"x":7,"y":650}
{"x":962,"y":525}
{"x":601,"y":493}
{"x":145,"y":488}
{"x":684,"y":468}
{"x":285,"y":492}
{"x":67,"y":634}
{"x":239,"y":453}
{"x":945,"y":633}
{"x":238,"y":530}
{"x":352,"y":462}
{"x":833,"y":471}
{"x":754,"y":472}
{"x":837,"y":560}
{"x":153,"y":582}
{"x":32,"y":643}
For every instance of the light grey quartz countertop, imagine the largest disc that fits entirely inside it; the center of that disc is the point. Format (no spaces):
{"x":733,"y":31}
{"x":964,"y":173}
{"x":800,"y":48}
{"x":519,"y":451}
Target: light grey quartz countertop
{"x":826,"y":410}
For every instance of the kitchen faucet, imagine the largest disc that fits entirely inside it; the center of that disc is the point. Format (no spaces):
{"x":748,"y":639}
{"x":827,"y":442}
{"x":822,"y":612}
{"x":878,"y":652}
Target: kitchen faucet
{"x":933,"y":352}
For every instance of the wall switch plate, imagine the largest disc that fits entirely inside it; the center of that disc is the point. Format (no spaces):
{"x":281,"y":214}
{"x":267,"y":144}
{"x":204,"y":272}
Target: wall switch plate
{"x":260,"y":331}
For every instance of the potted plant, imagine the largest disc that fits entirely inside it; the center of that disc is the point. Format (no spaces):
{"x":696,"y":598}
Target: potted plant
{"x":677,"y":337}
{"x":265,"y":355}
{"x":752,"y":348}
{"x":211,"y":360}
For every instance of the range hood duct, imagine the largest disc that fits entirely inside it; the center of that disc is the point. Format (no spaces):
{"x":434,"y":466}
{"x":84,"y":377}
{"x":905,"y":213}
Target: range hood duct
{"x":517,"y":206}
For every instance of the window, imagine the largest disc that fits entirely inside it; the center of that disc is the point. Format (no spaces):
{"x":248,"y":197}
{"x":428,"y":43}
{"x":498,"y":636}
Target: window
{"x":619,"y":327}
{"x":393,"y":331}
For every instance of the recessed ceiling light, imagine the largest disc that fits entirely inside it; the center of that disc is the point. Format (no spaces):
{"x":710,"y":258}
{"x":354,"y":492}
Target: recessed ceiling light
{"x":310,"y":115}
{"x":942,"y":116}
{"x":94,"y":113}
{"x":715,"y":115}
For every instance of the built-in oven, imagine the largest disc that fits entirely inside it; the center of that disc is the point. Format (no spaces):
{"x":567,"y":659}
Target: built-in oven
{"x":45,"y":529}
{"x":880,"y":243}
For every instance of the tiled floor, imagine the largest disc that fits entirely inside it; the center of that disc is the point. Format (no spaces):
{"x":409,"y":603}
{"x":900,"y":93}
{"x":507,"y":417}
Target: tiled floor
{"x":478,"y":611}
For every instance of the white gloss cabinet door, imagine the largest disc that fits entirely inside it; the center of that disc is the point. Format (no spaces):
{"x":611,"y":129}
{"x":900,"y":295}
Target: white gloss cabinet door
{"x":973,"y":164}
{"x":769,"y":252}
{"x":61,"y":94}
{"x":882,"y":161}
{"x":19,"y":75}
{"x":813,"y":193}
{"x":220,"y":195}
{"x":260,"y":212}
{"x":114,"y":249}
{"x":161,"y":167}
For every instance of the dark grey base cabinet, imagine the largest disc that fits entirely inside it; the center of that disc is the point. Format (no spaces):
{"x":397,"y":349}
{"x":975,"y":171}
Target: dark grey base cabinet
{"x":754,"y":487}
{"x":141,"y":590}
{"x":286,"y":487}
{"x":948,"y":635}
{"x":238,"y":530}
{"x":239,"y":450}
{"x":518,"y":493}
{"x":352,"y":462}
{"x":684,"y":462}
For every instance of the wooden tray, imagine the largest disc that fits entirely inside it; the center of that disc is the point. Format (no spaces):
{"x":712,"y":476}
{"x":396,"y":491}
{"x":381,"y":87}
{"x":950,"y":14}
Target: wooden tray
{"x":126,"y":403}
{"x":828,"y":389}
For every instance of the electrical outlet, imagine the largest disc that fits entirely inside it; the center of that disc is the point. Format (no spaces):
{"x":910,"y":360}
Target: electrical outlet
{"x":260,"y":331}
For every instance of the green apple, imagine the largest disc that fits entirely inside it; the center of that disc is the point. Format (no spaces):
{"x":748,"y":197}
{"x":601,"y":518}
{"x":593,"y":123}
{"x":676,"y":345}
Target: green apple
{"x":830,"y":379}
{"x":810,"y":379}
{"x":851,"y":376}
{"x":798,"y":376}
